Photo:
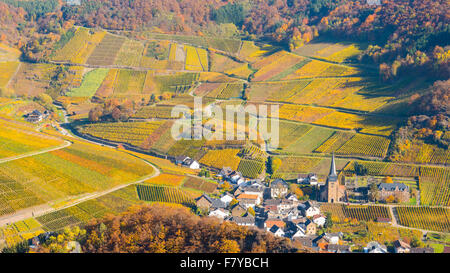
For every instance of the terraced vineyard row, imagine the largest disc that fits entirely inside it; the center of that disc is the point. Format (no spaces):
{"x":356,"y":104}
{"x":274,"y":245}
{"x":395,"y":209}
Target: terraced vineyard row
{"x":360,"y":213}
{"x":163,"y":194}
{"x":133,"y":133}
{"x":437,"y":219}
{"x":221,"y":158}
{"x":250,"y":168}
{"x":365,"y":145}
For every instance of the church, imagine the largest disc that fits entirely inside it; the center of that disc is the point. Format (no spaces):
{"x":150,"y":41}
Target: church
{"x":333,"y":192}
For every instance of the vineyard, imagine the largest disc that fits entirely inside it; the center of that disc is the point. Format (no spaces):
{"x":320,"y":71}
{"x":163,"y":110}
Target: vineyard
{"x":106,"y":51}
{"x":298,"y":164}
{"x":200,"y":184}
{"x":167,"y":180}
{"x":133,"y":133}
{"x":148,"y":112}
{"x":221,"y":158}
{"x":365,"y":145}
{"x":334,"y":142}
{"x":14,"y":141}
{"x":251,"y":168}
{"x":360,"y":213}
{"x":152,"y":193}
{"x":437,"y":219}
{"x":78,"y":169}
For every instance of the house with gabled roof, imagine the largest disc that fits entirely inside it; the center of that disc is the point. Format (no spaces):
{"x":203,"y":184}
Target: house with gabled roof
{"x":277,"y":231}
{"x":238,"y":210}
{"x":187,"y":161}
{"x":375,"y":247}
{"x":36,"y":116}
{"x":219,"y":213}
{"x":203,"y":202}
{"x":310,"y":209}
{"x":401,"y":247}
{"x":247,"y":220}
{"x":397,"y":190}
{"x":269,"y":223}
{"x":227,"y":198}
{"x":249,"y":200}
{"x":278,"y":188}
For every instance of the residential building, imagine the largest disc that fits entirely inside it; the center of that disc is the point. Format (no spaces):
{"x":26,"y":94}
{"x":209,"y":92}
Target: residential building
{"x":277,"y":231}
{"x":310,"y":209}
{"x":238,"y":210}
{"x":401,"y":247}
{"x":227,"y":198}
{"x":375,"y":247}
{"x":244,"y":221}
{"x":219,"y":213}
{"x":399,"y":191}
{"x":279,"y":188}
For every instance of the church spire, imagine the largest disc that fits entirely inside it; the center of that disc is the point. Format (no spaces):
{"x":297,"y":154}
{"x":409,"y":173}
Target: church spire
{"x":333,"y":167}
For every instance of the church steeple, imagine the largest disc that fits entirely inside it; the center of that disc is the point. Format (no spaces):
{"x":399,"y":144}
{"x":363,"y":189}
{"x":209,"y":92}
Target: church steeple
{"x":333,"y":167}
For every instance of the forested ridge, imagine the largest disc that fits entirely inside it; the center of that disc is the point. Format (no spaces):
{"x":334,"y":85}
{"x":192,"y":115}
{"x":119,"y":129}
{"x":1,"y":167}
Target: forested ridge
{"x":161,"y":229}
{"x":405,"y":36}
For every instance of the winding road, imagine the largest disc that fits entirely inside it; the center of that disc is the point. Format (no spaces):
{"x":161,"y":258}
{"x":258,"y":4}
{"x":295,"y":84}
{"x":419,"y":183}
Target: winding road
{"x":42,"y":209}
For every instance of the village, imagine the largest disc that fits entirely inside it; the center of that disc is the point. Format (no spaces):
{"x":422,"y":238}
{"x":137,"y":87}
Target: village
{"x":277,"y":210}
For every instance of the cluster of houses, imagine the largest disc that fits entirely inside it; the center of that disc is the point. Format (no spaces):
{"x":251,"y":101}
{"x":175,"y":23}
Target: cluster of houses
{"x":274,"y":210}
{"x":399,"y":246}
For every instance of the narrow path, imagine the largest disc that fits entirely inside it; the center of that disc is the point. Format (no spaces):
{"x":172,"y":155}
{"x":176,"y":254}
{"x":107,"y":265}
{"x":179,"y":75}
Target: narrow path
{"x":14,"y":75}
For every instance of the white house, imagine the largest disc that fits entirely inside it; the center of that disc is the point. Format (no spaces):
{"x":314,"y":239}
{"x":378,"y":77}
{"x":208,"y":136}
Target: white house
{"x":301,"y":231}
{"x":194,"y":165}
{"x":277,"y":231}
{"x":375,"y":247}
{"x":310,"y":178}
{"x":333,"y":238}
{"x":311,"y":210}
{"x":319,"y":220}
{"x":401,"y":247}
{"x":219,"y":213}
{"x":226,"y":198}
{"x":188,"y":162}
{"x":292,"y":197}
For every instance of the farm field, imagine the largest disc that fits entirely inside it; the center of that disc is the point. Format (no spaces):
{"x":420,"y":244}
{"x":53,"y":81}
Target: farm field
{"x":8,"y":54}
{"x":330,"y":51}
{"x":310,"y":140}
{"x":91,"y":82}
{"x":365,"y":145}
{"x":78,"y":169}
